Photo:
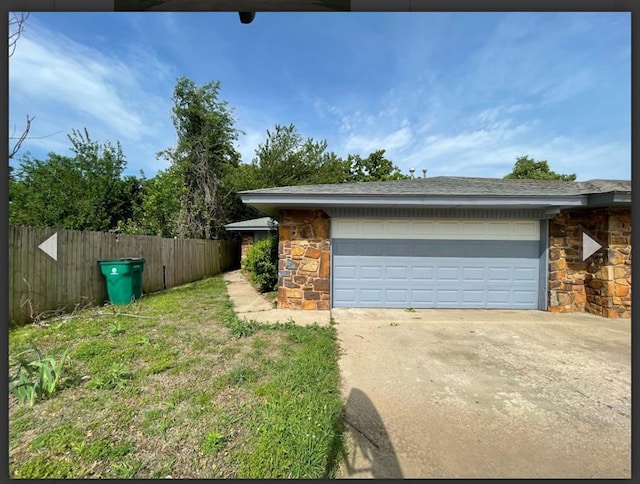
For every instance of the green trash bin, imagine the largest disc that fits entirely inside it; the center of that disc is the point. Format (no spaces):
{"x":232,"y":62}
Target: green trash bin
{"x":124,"y":279}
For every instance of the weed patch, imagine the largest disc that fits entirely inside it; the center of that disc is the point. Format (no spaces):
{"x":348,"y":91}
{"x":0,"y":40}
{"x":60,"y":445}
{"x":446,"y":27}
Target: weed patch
{"x":213,"y":442}
{"x":37,"y":376}
{"x":241,"y":328}
{"x":183,"y":390}
{"x":116,"y":377}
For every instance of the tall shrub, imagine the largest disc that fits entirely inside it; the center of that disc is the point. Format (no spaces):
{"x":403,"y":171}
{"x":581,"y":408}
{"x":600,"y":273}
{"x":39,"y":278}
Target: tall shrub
{"x":262,"y":263}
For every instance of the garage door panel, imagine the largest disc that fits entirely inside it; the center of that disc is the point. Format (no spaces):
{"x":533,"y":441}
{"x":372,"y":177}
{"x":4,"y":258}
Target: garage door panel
{"x":525,"y":297}
{"x":372,"y":249}
{"x":422,"y":273}
{"x":447,"y":296}
{"x":399,"y":273}
{"x":498,"y":296}
{"x":498,"y":273}
{"x":435,"y":283}
{"x":422,"y":297}
{"x":473,"y":296}
{"x":406,"y":228}
{"x":370,"y":295}
{"x":346,"y":247}
{"x":344,"y":297}
{"x":490,"y":249}
{"x":473,"y":274}
{"x":448,"y":273}
{"x":397,"y":296}
{"x":373,"y":272}
{"x":397,"y":249}
{"x":344,"y":272}
{"x":525,"y":274}
{"x":438,"y":271}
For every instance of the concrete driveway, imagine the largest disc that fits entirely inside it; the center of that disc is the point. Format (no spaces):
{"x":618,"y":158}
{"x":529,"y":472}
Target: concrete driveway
{"x":478,"y":393}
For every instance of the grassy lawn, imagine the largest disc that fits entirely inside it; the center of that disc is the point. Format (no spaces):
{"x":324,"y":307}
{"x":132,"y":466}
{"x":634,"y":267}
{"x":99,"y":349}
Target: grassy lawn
{"x":175,"y":385}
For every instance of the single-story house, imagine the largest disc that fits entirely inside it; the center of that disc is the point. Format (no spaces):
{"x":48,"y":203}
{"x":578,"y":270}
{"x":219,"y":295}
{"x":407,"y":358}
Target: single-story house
{"x":454,"y":242}
{"x":252,"y":231}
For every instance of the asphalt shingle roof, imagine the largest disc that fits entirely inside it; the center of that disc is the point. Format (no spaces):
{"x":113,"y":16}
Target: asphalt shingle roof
{"x":263,"y":223}
{"x":451,"y":185}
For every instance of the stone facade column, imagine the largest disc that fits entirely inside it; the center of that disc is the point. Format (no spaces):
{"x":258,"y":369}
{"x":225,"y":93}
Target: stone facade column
{"x":304,"y":263}
{"x":602,"y":284}
{"x":618,"y":282}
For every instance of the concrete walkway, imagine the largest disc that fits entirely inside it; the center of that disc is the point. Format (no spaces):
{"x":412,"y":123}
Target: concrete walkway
{"x":250,"y":304}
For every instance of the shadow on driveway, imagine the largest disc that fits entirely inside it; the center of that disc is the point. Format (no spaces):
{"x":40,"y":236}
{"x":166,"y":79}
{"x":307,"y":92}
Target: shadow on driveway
{"x":370,"y":452}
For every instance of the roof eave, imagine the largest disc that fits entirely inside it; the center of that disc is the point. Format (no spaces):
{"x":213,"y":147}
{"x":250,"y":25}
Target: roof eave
{"x":413,"y":201}
{"x":247,"y":229}
{"x":254,"y":225}
{"x":271,"y":204}
{"x":609,"y":199}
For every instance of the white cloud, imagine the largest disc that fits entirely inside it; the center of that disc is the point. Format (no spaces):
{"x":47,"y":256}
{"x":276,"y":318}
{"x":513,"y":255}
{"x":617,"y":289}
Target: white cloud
{"x":395,"y":140}
{"x":464,"y":145}
{"x":67,"y":85}
{"x":83,"y":81}
{"x":595,"y":159}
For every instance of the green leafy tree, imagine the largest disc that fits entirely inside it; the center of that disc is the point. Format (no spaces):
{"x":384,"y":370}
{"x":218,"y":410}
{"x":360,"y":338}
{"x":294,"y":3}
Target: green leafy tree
{"x":286,"y":158}
{"x":528,"y":168}
{"x":244,"y":177}
{"x":46,"y":193}
{"x":159,"y":209}
{"x":82,"y":192}
{"x":204,"y":154}
{"x":374,"y":167}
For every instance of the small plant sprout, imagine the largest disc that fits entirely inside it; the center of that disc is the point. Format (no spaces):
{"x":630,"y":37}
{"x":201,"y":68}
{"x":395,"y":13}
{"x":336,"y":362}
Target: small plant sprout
{"x":37,"y":379}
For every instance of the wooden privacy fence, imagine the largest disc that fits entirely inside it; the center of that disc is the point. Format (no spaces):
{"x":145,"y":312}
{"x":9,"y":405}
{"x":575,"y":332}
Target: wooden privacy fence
{"x":39,"y":284}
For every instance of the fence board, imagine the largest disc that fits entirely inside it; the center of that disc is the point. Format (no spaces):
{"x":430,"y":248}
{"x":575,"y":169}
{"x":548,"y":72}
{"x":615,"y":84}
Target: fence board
{"x":49,"y":277}
{"x":27,"y":263}
{"x":90,"y":256}
{"x":75,"y":278}
{"x":14,"y":270}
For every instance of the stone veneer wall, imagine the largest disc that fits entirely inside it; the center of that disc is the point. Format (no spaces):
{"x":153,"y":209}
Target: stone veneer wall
{"x":247,"y":241}
{"x":304,"y":264}
{"x":602,"y":284}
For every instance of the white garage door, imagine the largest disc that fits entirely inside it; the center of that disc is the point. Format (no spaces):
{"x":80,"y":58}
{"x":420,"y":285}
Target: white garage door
{"x":425,"y":263}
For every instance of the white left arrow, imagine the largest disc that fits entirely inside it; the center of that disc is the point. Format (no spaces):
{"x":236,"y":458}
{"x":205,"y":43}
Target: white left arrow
{"x":50,"y":247}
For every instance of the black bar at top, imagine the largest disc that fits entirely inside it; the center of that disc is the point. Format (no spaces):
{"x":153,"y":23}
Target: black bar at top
{"x":321,"y":5}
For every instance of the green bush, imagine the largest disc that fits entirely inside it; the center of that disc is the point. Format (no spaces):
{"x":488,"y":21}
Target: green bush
{"x":262,"y":263}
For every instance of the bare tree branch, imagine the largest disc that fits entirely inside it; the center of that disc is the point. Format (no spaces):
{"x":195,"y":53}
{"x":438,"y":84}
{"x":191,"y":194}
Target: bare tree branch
{"x":21,"y":138}
{"x":16,"y":28}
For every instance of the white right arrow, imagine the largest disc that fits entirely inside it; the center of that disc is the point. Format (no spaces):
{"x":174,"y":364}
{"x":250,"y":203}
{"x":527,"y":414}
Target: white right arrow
{"x":589,"y":246}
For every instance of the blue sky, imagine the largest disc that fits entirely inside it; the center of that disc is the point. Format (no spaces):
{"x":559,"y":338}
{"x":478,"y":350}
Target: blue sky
{"x":461,"y":94}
